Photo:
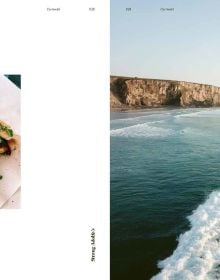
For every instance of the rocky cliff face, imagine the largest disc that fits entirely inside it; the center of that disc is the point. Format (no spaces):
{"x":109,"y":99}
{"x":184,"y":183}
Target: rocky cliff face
{"x":137,"y":92}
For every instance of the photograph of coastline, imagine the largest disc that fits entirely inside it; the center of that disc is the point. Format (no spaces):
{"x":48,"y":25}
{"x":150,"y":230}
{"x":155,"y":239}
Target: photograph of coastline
{"x":10,"y":141}
{"x":165,"y":140}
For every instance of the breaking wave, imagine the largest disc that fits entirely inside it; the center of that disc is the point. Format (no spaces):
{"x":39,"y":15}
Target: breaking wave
{"x":189,"y":115}
{"x":197,"y":256}
{"x":141,"y":130}
{"x":125,"y":120}
{"x":201,"y":113}
{"x":140,"y":118}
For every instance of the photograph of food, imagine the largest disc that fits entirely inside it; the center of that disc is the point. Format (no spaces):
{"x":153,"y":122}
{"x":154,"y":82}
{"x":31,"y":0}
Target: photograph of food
{"x":10,"y":190}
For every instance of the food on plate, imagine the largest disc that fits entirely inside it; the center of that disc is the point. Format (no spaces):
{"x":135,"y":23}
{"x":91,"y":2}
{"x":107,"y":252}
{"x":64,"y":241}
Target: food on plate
{"x":8,"y":142}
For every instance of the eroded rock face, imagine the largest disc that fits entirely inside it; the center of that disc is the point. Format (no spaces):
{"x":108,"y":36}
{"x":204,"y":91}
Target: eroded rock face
{"x":135,"y":92}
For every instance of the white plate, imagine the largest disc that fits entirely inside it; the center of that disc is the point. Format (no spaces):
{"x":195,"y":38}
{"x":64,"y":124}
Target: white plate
{"x":9,"y":113}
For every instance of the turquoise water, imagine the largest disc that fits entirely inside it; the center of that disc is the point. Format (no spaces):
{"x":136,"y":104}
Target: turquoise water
{"x":165,"y":163}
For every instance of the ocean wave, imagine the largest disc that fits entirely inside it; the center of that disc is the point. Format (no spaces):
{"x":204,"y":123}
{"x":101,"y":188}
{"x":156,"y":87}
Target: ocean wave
{"x":197,"y":256}
{"x":192,"y":131}
{"x":141,"y":130}
{"x":124,"y":120}
{"x":200,"y":113}
{"x":188,"y":115}
{"x":140,"y":118}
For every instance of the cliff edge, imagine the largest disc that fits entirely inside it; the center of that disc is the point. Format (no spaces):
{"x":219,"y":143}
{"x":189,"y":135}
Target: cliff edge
{"x":127,"y":92}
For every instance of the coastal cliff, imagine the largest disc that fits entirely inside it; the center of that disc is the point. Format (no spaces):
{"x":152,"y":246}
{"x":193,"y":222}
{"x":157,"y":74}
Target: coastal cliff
{"x":127,"y":92}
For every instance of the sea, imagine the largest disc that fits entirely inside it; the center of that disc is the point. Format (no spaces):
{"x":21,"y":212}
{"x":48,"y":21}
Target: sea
{"x":165,"y":194}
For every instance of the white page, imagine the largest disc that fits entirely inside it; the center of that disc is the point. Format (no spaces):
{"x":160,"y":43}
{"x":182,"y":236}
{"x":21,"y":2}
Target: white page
{"x":60,"y":49}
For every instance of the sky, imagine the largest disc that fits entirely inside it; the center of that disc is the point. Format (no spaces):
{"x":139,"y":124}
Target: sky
{"x":183,"y":44}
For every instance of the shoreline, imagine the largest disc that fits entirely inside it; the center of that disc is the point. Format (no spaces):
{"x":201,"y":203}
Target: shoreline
{"x":126,"y":109}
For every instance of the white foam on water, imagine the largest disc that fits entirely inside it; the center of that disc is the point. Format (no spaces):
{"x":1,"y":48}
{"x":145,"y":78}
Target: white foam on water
{"x":134,"y":119}
{"x":197,"y":256}
{"x":188,"y":115}
{"x":193,"y":131}
{"x":130,"y":119}
{"x":141,"y":130}
{"x":201,"y":113}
